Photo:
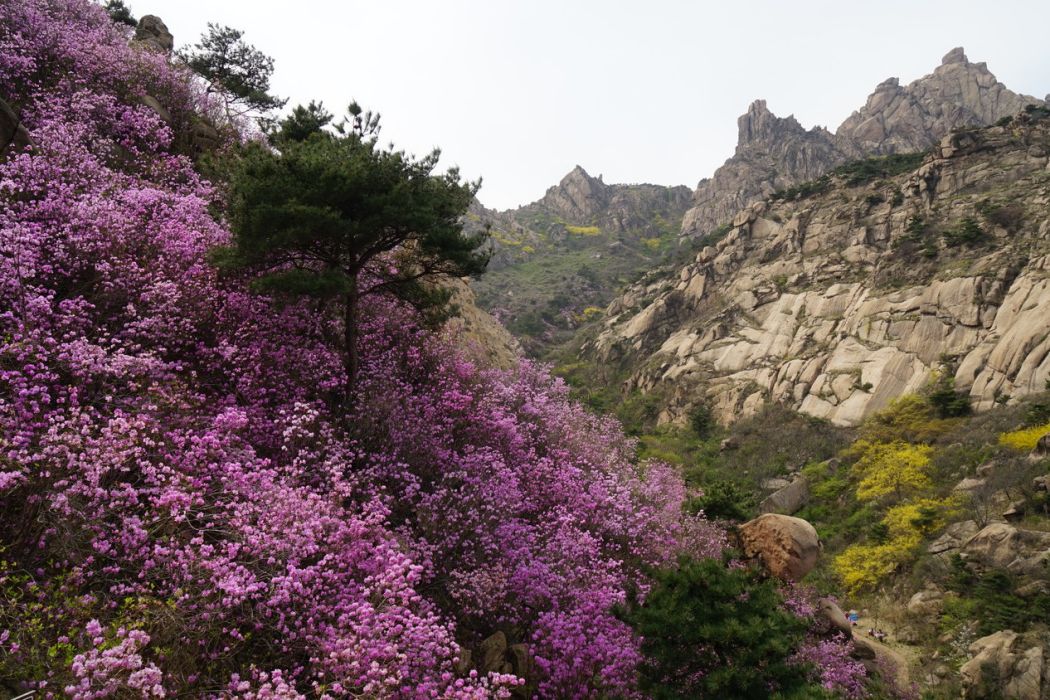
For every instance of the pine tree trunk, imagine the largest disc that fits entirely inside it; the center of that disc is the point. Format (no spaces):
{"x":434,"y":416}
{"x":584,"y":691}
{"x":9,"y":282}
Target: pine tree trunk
{"x":351,"y":359}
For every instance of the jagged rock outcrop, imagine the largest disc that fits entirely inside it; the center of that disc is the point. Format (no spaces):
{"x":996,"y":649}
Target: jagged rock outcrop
{"x":581,"y":199}
{"x":151,"y":33}
{"x":578,"y":197}
{"x":958,"y":93}
{"x":854,"y":292}
{"x":774,"y":153}
{"x":1005,"y":665}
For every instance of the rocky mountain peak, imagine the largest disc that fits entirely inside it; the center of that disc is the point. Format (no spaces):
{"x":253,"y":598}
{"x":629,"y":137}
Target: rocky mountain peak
{"x":956,"y":55}
{"x":758,"y":124}
{"x":578,"y":196}
{"x":957,"y":93}
{"x":774,"y":153}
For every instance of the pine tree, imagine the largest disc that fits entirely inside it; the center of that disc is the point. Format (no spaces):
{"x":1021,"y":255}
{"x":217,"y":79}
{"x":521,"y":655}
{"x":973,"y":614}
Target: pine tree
{"x":335,"y":216}
{"x":711,"y":631}
{"x":235,"y":69}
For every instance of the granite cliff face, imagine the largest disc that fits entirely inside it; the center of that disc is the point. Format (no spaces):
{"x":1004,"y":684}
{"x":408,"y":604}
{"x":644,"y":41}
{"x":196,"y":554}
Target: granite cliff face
{"x":858,"y":288}
{"x":774,"y":153}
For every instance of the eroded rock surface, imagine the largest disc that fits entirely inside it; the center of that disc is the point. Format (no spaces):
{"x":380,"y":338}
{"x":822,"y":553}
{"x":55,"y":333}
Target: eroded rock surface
{"x":788,"y":547}
{"x":1003,"y":665}
{"x":838,"y":302}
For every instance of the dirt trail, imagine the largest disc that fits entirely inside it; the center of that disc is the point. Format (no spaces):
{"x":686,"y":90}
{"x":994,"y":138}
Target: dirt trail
{"x":902,"y":655}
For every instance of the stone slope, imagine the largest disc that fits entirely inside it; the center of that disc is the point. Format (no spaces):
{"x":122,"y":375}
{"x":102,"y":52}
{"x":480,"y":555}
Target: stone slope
{"x":837,"y":302}
{"x":774,"y":153}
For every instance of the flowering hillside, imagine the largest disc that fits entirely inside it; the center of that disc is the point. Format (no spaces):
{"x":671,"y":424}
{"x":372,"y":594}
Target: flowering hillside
{"x":184,"y":510}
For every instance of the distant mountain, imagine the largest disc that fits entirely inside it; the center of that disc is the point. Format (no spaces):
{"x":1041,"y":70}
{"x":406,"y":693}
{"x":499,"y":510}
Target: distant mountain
{"x":775,"y":153}
{"x":563,"y":257}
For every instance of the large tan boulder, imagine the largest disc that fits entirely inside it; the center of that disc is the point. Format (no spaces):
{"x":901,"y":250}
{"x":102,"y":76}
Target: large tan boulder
{"x":1004,"y":546}
{"x":926,"y":602}
{"x":153,"y":34}
{"x":788,"y":547}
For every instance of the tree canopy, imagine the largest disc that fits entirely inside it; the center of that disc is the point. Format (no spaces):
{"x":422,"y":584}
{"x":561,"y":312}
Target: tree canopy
{"x":235,"y":68}
{"x":711,"y":631}
{"x":336,"y":216}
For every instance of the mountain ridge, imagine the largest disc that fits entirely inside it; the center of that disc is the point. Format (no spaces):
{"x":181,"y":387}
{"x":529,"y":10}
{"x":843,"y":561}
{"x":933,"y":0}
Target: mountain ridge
{"x":857,"y":288}
{"x":774,"y":153}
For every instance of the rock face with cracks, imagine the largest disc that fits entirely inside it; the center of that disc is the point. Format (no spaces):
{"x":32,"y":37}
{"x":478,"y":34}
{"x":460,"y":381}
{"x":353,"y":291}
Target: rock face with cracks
{"x":838,"y":300}
{"x":1003,"y":665}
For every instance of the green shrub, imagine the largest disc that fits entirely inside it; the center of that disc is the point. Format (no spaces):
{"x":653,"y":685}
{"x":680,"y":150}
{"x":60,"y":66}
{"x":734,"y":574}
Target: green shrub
{"x":709,"y":631}
{"x":725,"y":500}
{"x":990,"y":600}
{"x":863,"y":171}
{"x":1037,"y":413}
{"x":702,"y":421}
{"x":967,"y":232}
{"x":803,"y":190}
{"x":946,"y":401}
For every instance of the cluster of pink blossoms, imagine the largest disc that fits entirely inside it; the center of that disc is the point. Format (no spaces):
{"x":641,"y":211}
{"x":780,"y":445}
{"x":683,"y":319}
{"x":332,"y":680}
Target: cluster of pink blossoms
{"x":183,"y":510}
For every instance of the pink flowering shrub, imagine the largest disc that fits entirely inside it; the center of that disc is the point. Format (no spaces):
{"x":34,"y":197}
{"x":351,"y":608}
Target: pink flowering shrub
{"x":837,"y":671}
{"x":177,"y":483}
{"x":101,"y":672}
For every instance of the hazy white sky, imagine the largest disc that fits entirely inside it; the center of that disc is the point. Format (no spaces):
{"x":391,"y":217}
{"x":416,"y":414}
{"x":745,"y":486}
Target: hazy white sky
{"x":520,"y":92}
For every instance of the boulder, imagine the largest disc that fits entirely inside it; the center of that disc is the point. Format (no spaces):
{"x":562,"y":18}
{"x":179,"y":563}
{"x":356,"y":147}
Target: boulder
{"x":788,"y":547}
{"x":151,"y":33}
{"x":953,"y":537}
{"x":464,"y":662}
{"x":1015,"y":511}
{"x":203,"y":137}
{"x":1001,"y":666}
{"x":968,"y":484}
{"x":831,"y":620}
{"x":863,"y":650}
{"x":788,"y":499}
{"x":13,"y":134}
{"x":154,"y":104}
{"x":1042,"y":448}
{"x":926,"y":602}
{"x":523,"y":666}
{"x":730,"y":443}
{"x":1004,"y":546}
{"x":492,"y":653}
{"x":775,"y":484}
